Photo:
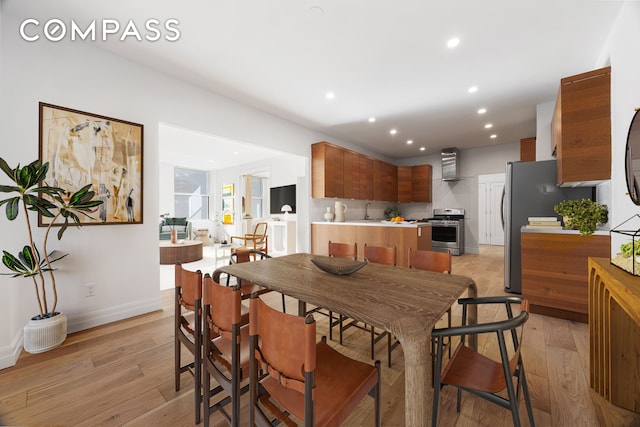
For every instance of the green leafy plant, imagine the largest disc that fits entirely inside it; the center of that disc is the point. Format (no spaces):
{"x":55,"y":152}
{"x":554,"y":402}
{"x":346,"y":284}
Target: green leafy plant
{"x":391,"y":212}
{"x":30,"y":192}
{"x":630,"y":248}
{"x":583,"y":215}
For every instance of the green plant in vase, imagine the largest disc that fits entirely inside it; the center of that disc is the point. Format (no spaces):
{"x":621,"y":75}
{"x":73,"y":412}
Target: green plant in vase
{"x":582,"y":214}
{"x":392,"y":212}
{"x":30,"y":192}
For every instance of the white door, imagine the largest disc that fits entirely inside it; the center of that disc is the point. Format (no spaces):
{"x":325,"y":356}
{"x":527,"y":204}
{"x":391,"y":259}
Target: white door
{"x":490,"y":231}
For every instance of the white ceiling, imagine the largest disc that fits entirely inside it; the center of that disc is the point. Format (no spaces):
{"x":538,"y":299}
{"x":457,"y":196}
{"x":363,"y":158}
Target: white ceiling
{"x":381,"y":58}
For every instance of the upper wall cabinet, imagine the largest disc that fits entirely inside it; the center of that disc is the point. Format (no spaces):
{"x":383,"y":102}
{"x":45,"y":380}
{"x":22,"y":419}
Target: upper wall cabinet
{"x":341,"y":173}
{"x":581,"y":128}
{"x":414,"y":183}
{"x":327,"y":169}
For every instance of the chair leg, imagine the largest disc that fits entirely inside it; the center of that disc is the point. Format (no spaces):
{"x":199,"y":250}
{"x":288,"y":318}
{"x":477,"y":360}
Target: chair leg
{"x":527,"y":399}
{"x":284,"y":305}
{"x":377,"y":397}
{"x":177,"y":363}
{"x":373,"y":340}
{"x":389,"y":350}
{"x":340,"y":325}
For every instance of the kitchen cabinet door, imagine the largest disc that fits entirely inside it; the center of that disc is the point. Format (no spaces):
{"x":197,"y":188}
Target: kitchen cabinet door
{"x":405,"y":178}
{"x":366,"y":178}
{"x":421,"y":183}
{"x":327,"y":169}
{"x":351,"y":175}
{"x":582,"y":128}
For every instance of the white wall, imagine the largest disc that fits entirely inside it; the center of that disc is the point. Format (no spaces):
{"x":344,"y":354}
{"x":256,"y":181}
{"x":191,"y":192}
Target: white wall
{"x":544,"y":115}
{"x":122,"y":260}
{"x":622,"y":53}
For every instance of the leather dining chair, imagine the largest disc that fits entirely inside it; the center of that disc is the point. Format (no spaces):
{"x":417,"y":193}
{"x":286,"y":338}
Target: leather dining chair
{"x":247,"y":288}
{"x":439,"y":262}
{"x":225,"y":349}
{"x":381,"y":255}
{"x":470,"y":371}
{"x":188,"y":328}
{"x":340,"y":250}
{"x":309,"y":380}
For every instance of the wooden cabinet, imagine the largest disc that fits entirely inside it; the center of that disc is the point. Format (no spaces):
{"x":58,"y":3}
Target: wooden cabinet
{"x":421,"y":183}
{"x":327,"y":163}
{"x":554,"y":271}
{"x":581,"y":128}
{"x":414,"y":183}
{"x":402,"y":238}
{"x":338,"y":172}
{"x":528,"y":149}
{"x":385,"y":181}
{"x":366,"y":178}
{"x":614,"y":333}
{"x":351,"y":175}
{"x":405,"y":176}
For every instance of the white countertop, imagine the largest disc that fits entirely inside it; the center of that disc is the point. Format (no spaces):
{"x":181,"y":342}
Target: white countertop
{"x":562,"y":231}
{"x":377,"y":223}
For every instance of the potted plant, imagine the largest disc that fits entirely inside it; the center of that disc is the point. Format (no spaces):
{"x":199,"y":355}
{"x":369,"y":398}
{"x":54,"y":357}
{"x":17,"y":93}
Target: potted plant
{"x":583,"y":214}
{"x":392,"y":212}
{"x":30,"y":192}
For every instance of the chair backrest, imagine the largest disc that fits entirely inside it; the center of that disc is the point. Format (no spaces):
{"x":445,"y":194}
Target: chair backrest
{"x":188,"y":286}
{"x":380,"y":254}
{"x":343,"y":250}
{"x":260,"y":230}
{"x":430,"y":260}
{"x":281,"y":354}
{"x":225,"y":303}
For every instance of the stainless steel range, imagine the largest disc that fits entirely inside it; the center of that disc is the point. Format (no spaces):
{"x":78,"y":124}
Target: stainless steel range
{"x":447,"y":230}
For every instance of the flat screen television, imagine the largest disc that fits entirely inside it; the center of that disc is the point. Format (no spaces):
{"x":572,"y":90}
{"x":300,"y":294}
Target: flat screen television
{"x":285,"y":195}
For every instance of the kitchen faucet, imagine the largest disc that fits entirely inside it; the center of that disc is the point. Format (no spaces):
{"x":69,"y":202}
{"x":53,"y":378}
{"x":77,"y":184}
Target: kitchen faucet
{"x":366,"y":210}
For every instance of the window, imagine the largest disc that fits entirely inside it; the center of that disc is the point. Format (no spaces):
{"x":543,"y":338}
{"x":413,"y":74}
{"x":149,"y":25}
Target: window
{"x":191,"y":193}
{"x":257,"y":197}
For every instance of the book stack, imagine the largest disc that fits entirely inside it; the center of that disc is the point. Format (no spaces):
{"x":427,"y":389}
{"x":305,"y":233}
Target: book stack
{"x":544,"y":222}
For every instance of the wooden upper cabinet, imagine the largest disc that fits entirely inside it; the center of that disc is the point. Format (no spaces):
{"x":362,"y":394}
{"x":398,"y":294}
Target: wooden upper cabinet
{"x":581,"y":130}
{"x":528,"y":149}
{"x":327,"y":169}
{"x":366,"y":178}
{"x":405,"y":185}
{"x":421,"y":183}
{"x":414,"y":183}
{"x":385,"y":181}
{"x":351,"y":175}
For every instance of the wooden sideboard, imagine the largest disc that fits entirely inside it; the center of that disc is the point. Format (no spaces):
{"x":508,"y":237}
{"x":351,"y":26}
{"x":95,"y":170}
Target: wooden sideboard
{"x":554,"y":271}
{"x":614,"y":333}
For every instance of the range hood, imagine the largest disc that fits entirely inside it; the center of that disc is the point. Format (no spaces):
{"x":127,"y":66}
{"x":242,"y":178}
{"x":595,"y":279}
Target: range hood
{"x":450,"y":164}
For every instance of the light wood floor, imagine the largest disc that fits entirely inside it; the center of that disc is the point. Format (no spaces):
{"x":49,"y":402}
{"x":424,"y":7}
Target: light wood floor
{"x":122,"y":374}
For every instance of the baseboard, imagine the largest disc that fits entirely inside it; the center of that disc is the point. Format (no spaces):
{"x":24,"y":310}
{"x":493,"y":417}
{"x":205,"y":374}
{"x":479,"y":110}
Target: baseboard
{"x":9,"y":354}
{"x":100,"y":317}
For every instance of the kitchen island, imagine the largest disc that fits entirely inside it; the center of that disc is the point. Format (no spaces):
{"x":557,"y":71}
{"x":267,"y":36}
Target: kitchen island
{"x":402,"y":235}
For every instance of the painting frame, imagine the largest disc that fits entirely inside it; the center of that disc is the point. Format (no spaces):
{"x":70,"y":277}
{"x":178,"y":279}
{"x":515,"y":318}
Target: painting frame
{"x":85,"y":148}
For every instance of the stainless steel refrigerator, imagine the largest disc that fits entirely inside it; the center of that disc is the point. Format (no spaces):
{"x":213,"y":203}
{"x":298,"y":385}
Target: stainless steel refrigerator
{"x":530,"y":190}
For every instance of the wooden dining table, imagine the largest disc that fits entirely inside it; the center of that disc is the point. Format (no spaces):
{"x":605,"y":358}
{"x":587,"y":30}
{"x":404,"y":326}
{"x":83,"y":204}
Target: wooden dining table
{"x":406,"y":302}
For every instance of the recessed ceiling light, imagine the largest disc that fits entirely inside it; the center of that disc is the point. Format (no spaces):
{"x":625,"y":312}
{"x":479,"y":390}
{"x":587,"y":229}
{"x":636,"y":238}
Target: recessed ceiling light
{"x":422,"y":148}
{"x":372,"y":119}
{"x":493,"y":136}
{"x":473,"y":89}
{"x":482,"y":111}
{"x":330,"y":95}
{"x":409,"y":141}
{"x":236,"y":152}
{"x":316,"y":11}
{"x":488,"y":126}
{"x":393,"y":131}
{"x":453,"y":42}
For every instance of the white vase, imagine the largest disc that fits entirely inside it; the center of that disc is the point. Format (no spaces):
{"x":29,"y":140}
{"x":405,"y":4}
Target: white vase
{"x":328,"y":216}
{"x":45,"y":334}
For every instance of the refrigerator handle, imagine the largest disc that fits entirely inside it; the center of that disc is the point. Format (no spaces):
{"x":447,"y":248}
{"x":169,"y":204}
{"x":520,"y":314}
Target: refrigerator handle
{"x":502,"y":208}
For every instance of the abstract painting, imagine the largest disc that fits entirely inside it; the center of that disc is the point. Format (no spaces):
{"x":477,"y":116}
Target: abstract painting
{"x":84,"y":148}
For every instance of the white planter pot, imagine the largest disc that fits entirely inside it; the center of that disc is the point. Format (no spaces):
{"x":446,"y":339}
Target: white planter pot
{"x":45,"y":334}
